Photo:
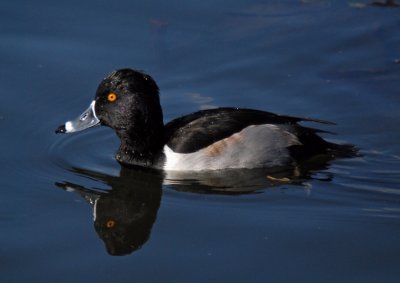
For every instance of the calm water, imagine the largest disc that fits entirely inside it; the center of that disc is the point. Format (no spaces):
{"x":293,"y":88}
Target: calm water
{"x":333,"y":60}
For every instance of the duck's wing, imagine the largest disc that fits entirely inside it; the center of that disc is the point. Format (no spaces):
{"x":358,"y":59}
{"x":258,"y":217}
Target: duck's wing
{"x":198,"y":130}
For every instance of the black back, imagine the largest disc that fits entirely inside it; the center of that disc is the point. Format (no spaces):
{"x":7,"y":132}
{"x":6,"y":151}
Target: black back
{"x":200,"y":129}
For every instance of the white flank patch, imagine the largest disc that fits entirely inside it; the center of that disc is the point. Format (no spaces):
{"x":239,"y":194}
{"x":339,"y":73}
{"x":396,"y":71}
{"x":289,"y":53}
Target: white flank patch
{"x":253,"y":147}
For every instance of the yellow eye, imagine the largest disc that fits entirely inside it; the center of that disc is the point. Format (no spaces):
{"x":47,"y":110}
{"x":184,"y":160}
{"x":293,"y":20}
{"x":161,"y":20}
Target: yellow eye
{"x":110,"y":223}
{"x":112,"y":97}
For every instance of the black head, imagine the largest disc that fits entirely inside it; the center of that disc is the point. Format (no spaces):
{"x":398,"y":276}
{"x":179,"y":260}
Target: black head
{"x":128,"y":99}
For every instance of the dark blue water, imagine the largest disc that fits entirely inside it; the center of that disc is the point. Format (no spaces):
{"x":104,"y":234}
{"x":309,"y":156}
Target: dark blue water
{"x":69,"y":212}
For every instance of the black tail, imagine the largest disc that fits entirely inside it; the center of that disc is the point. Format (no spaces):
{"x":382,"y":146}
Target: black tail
{"x":312,"y":144}
{"x":342,"y":150}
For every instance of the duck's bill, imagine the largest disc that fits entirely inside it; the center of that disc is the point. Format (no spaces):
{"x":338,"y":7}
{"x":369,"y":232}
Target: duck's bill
{"x":86,"y":120}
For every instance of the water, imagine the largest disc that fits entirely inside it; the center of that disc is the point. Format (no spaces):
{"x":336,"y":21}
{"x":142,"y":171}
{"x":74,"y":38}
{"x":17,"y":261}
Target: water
{"x":333,"y":60}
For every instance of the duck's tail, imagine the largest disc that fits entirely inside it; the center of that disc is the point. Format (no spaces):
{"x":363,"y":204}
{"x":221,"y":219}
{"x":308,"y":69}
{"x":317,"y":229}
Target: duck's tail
{"x":342,"y":150}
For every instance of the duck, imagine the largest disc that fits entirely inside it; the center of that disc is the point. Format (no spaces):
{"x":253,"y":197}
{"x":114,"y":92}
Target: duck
{"x":128,"y":101}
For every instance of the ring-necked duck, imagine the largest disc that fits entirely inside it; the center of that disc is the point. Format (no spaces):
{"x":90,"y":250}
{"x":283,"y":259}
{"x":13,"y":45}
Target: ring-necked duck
{"x":128,"y":101}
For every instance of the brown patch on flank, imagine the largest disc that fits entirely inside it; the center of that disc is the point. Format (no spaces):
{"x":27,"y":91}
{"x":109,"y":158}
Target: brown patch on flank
{"x":218,"y":147}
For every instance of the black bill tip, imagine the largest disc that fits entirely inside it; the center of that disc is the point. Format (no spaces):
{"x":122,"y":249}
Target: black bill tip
{"x":61,"y":130}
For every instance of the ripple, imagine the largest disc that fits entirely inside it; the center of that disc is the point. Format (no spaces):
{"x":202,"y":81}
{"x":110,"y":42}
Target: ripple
{"x":376,"y":171}
{"x":92,"y":150}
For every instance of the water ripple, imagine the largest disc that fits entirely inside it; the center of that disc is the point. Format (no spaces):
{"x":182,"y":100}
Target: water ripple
{"x":87,"y":150}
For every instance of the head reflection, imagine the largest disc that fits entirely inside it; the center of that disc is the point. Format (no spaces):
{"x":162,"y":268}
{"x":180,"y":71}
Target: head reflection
{"x":125,"y":214}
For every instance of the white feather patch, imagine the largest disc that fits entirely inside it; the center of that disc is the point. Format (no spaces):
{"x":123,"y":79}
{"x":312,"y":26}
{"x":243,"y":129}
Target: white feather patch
{"x":253,"y":147}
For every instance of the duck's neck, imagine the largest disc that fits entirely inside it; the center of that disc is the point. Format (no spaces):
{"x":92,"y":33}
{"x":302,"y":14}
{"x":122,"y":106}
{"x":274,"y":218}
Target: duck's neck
{"x":141,"y":145}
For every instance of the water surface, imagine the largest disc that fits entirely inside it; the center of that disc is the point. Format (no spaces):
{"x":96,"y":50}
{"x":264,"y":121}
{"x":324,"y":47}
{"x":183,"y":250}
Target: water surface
{"x":69,"y":212}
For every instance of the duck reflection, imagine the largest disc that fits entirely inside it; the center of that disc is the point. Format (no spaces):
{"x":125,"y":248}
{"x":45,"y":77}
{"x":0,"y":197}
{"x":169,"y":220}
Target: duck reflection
{"x":126,"y":211}
{"x":244,"y":181}
{"x":124,"y":215}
